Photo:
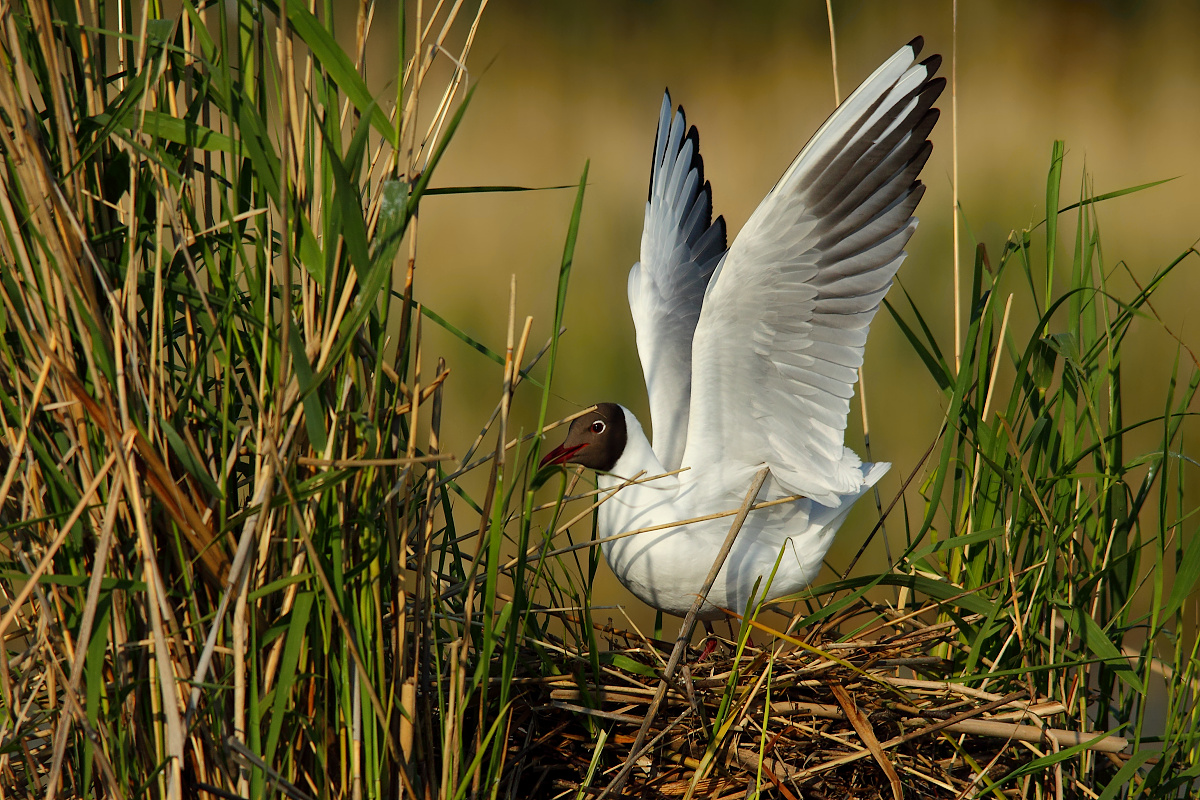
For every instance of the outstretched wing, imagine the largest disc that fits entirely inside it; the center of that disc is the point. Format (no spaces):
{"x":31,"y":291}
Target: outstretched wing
{"x":681,"y":246}
{"x":777,"y":347}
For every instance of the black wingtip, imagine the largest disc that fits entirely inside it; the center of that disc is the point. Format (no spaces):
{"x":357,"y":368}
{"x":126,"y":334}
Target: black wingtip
{"x":916,"y":44}
{"x":932,"y":64}
{"x":935,"y":87}
{"x":706,"y":193}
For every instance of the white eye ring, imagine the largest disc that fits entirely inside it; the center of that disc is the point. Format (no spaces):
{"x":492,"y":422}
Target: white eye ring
{"x":597,"y":427}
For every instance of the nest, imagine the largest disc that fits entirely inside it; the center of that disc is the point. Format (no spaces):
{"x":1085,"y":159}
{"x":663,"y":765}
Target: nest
{"x":872,"y":716}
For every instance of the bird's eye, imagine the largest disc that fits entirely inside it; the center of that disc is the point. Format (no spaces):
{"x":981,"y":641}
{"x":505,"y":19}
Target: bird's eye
{"x":597,"y":427}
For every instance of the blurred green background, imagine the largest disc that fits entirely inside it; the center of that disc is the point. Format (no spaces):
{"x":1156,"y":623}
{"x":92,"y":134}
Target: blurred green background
{"x":559,"y":83}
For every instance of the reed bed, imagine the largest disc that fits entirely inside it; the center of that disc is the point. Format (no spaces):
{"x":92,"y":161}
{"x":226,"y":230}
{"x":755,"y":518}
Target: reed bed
{"x":236,"y":560}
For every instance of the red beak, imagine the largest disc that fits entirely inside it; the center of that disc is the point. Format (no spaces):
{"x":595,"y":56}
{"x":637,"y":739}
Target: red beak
{"x":560,"y":454}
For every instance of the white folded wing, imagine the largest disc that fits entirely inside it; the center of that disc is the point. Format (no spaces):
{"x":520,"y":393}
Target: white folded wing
{"x":681,"y":246}
{"x":780,"y":338}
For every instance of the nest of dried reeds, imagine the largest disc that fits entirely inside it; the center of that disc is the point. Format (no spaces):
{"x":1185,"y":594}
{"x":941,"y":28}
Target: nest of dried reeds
{"x":873,"y":715}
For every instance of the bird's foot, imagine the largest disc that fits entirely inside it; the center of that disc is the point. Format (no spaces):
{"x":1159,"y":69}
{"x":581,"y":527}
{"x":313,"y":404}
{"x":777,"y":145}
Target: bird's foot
{"x":711,"y":641}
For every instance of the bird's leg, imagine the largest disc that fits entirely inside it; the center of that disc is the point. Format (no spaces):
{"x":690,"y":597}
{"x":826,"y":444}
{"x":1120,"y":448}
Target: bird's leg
{"x":733,"y":634}
{"x":710,"y":641}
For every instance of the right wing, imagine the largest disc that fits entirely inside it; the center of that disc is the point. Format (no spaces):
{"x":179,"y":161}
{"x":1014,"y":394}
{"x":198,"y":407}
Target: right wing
{"x":681,"y":246}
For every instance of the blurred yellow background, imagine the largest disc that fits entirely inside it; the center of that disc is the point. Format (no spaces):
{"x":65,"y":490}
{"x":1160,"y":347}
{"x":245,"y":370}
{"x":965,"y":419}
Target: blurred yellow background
{"x":561,"y":83}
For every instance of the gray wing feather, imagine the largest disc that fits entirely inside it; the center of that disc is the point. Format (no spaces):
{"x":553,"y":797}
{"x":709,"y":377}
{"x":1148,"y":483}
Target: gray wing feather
{"x":781,"y":335}
{"x":681,"y":247}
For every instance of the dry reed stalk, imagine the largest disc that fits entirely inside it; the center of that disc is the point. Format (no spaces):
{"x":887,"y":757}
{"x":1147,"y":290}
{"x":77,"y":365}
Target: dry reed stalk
{"x":685,"y":634}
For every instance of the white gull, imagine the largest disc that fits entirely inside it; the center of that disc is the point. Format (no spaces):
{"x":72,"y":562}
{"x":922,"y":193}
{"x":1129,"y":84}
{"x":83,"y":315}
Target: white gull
{"x":750,"y":353}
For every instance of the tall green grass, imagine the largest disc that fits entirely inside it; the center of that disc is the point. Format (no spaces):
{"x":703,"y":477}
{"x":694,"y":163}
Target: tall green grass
{"x":237,"y":561}
{"x":1066,"y":524}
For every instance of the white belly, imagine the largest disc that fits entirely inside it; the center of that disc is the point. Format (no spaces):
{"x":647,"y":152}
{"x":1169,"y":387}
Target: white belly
{"x":666,"y":568}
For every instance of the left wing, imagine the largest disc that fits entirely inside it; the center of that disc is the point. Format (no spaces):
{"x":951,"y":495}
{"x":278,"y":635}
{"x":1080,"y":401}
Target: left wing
{"x":785,"y":319}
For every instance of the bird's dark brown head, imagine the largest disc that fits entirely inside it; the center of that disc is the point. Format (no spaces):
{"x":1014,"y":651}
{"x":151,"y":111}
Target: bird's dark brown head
{"x":595,"y":440}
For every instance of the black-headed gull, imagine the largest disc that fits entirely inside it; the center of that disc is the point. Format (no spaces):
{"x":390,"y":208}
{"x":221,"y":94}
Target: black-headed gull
{"x":751,"y":354}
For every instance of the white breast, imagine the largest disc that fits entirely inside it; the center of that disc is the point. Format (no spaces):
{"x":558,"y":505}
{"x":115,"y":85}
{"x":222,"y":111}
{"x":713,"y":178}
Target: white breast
{"x":666,"y":567}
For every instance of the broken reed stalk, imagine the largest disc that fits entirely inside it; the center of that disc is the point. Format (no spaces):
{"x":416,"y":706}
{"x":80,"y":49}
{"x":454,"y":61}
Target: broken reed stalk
{"x":685,"y":636}
{"x":866,"y":733}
